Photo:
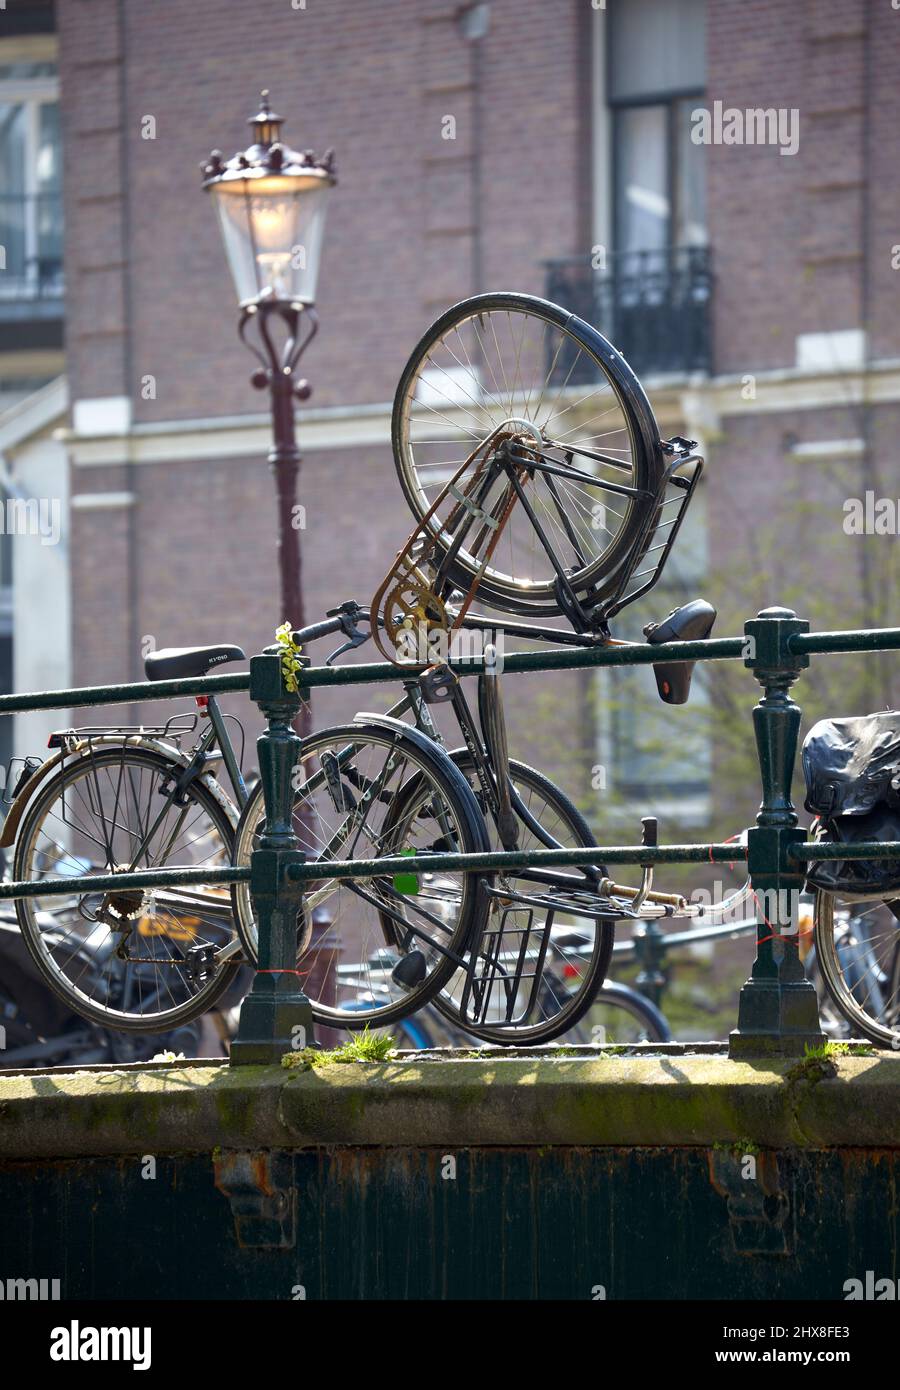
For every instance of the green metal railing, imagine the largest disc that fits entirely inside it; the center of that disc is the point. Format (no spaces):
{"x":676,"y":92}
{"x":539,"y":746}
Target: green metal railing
{"x":777,"y":1010}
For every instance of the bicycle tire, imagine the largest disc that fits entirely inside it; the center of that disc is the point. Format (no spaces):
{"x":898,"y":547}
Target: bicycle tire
{"x":162,"y":1020}
{"x":833,"y":1023}
{"x":426,"y":759}
{"x":598,"y":578}
{"x":834,"y":973}
{"x":576,"y":1004}
{"x":624,"y":999}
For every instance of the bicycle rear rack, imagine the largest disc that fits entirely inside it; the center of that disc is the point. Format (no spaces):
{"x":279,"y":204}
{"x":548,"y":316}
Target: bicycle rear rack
{"x":505,"y":969}
{"x":660,"y":532}
{"x":177,"y":727}
{"x":639,"y":572}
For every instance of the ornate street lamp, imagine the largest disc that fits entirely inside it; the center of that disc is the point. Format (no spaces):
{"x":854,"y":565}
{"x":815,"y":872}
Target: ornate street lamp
{"x":271,"y":204}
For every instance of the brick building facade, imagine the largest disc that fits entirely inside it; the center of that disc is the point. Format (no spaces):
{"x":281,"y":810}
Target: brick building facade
{"x":571,"y":141}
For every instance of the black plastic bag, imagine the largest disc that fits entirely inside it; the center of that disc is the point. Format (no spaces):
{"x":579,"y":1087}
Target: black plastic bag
{"x":852,"y":772}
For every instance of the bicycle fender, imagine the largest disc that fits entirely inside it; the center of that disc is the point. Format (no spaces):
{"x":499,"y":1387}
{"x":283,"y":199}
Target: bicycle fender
{"x":151,"y":745}
{"x":436,"y":755}
{"x":23,"y":796}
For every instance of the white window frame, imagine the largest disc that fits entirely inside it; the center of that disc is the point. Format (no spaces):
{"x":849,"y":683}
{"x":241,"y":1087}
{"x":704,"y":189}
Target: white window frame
{"x":32,"y":93}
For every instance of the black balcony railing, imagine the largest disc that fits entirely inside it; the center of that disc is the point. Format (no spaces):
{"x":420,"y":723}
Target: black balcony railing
{"x":31,"y":257}
{"x":654,"y":306}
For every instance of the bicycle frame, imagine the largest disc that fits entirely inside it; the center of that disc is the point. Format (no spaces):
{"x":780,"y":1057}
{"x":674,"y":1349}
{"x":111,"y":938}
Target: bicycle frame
{"x":514,"y":460}
{"x":218,"y":731}
{"x":490,"y":770}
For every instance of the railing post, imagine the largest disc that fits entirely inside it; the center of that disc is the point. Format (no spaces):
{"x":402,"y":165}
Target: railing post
{"x":276,"y":1016}
{"x":777,"y":1012}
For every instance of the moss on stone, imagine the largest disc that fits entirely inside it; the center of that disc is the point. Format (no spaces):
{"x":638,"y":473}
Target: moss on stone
{"x":817,"y":1063}
{"x":738,"y":1148}
{"x":583,"y":1100}
{"x":362,"y":1047}
{"x":301,"y":1060}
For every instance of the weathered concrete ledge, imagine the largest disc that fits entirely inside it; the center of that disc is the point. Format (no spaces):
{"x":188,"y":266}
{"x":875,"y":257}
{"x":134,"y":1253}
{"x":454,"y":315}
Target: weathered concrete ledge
{"x":655,"y":1101}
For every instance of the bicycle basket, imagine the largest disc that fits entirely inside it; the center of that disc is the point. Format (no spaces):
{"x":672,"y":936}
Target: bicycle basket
{"x":852,"y":772}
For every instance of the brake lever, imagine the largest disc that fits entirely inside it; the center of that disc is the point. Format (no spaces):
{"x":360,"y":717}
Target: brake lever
{"x":356,"y":640}
{"x":350,"y":615}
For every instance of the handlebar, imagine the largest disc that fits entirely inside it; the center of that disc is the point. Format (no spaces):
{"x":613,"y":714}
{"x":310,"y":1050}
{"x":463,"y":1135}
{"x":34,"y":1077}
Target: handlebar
{"x":314,"y":631}
{"x":345,"y":618}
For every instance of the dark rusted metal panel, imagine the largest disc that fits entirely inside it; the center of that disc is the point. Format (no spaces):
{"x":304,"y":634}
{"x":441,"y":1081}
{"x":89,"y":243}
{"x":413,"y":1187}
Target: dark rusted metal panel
{"x":505,"y":1223}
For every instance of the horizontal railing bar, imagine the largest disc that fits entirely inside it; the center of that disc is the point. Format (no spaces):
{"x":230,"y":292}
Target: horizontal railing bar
{"x":557,"y":659}
{"x":518,"y":859}
{"x":875,"y":639}
{"x":691,"y":937}
{"x":389,"y":864}
{"x":566,"y":659}
{"x":863,"y":849}
{"x":374,"y":673}
{"x":124,"y":694}
{"x":108,"y":883}
{"x":429,"y":863}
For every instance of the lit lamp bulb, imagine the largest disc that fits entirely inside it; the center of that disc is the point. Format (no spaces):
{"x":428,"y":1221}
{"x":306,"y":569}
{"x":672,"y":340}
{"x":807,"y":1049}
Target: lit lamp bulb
{"x":271,"y":226}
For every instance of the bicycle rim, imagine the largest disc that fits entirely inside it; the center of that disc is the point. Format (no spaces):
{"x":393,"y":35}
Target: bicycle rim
{"x":858,"y":951}
{"x":351,"y":965}
{"x":620,"y":1016}
{"x":506,"y":356}
{"x":124,"y":960}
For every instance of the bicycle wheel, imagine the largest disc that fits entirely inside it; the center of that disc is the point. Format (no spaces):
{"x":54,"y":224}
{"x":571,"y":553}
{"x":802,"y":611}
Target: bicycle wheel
{"x":499,"y":358}
{"x":355,"y":776}
{"x":831,"y":1020}
{"x":138,"y":961}
{"x":858,"y":951}
{"x":620,"y":1015}
{"x":577,"y":948}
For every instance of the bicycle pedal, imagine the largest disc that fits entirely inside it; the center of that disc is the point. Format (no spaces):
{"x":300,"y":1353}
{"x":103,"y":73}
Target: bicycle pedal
{"x":410,"y":970}
{"x":438,"y":684}
{"x":201,"y":963}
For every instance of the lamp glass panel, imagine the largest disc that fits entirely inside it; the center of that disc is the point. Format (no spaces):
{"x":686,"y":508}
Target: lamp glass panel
{"x":272,"y":229}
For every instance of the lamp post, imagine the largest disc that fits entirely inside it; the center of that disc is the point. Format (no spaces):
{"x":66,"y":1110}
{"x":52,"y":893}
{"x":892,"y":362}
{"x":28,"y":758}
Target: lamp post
{"x":271,"y":204}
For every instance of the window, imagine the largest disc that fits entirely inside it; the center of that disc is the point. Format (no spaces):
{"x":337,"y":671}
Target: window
{"x":30,"y":186}
{"x":651,"y":290}
{"x":655,"y":76}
